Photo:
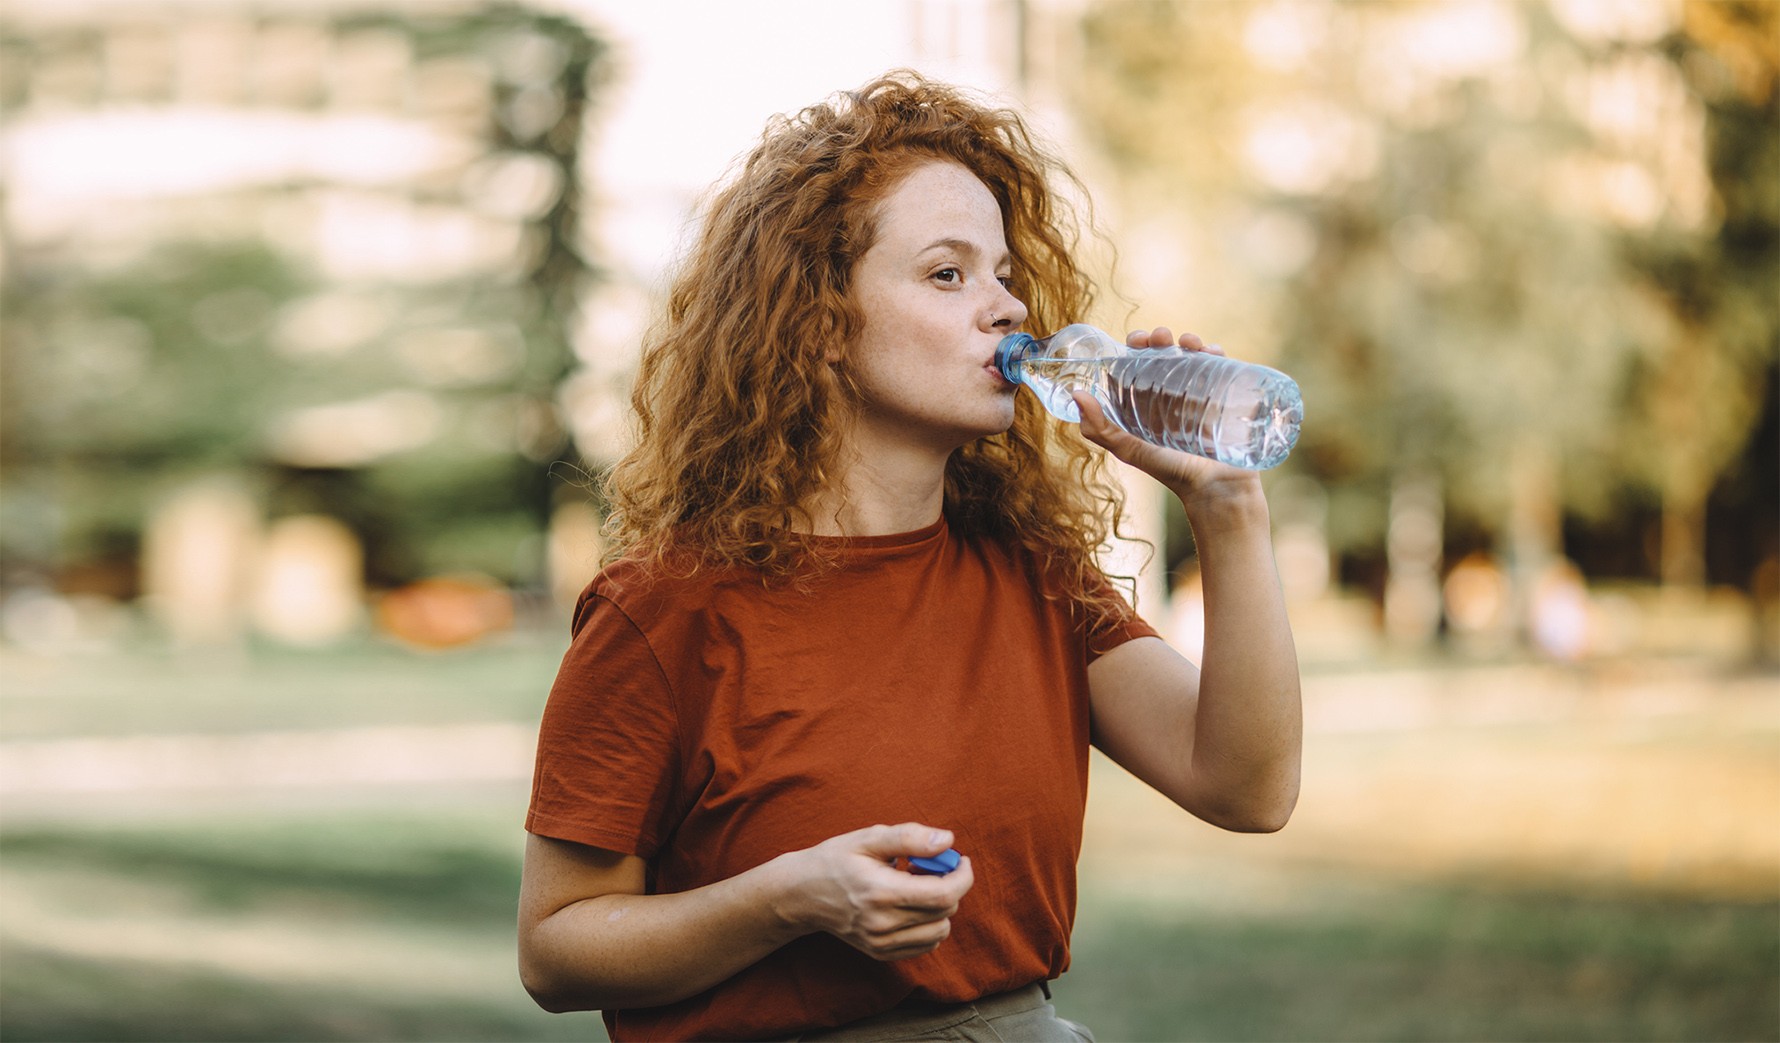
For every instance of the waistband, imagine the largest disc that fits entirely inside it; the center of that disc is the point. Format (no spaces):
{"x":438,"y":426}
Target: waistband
{"x":913,"y":1020}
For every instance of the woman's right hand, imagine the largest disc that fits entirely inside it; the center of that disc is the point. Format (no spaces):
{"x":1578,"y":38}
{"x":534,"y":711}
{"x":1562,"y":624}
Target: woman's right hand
{"x":849,"y":887}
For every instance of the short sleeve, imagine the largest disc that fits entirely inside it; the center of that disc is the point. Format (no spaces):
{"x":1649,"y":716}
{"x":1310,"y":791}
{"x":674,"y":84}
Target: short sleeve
{"x":1116,"y":626}
{"x":607,"y":748}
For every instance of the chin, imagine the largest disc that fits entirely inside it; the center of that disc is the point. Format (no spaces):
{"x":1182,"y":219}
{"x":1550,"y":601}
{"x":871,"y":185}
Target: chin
{"x":1001,"y":425}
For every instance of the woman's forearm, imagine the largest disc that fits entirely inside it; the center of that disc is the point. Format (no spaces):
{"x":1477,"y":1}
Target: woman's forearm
{"x":590,"y":939}
{"x":636,"y":950}
{"x":1248,"y":732}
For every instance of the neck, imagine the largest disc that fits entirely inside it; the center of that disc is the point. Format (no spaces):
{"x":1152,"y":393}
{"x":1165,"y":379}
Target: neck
{"x":886,"y":490}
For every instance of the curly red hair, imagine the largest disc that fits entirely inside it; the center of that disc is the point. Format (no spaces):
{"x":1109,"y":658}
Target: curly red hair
{"x":745,"y":389}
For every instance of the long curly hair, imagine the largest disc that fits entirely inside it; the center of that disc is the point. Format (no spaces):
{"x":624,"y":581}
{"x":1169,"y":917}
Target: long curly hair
{"x":745,"y":387}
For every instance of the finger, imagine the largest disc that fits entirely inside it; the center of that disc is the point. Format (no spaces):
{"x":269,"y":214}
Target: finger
{"x":1192,"y":342}
{"x":1161,"y":337}
{"x":884,"y":922}
{"x":916,"y":902}
{"x":1093,"y":417}
{"x":964,"y":876}
{"x":925,"y":898}
{"x":946,"y":891}
{"x":1137,"y":338}
{"x":909,"y":941}
{"x":962,"y":879}
{"x":909,"y":838}
{"x":1096,"y":428}
{"x":1122,"y":444}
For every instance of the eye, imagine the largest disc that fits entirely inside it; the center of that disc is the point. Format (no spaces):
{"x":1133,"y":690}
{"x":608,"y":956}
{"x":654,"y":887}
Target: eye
{"x":948,"y":275}
{"x":1006,"y":281}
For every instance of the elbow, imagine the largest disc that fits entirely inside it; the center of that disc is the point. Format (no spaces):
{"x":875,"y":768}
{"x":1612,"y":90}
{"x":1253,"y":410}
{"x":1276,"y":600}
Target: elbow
{"x":549,"y":1003}
{"x":544,"y":993}
{"x":548,"y":989}
{"x":1273,"y":814}
{"x":545,"y":999}
{"x":552,"y":998}
{"x":1253,"y":812}
{"x":1266,"y":820}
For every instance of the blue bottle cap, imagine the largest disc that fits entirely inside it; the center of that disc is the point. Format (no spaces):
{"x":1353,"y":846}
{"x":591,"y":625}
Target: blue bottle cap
{"x":938,"y":865}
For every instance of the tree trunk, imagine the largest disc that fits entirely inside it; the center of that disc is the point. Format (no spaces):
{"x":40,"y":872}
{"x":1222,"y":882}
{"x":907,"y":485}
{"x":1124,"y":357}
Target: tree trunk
{"x":1535,"y":528}
{"x":1413,"y":546}
{"x":1683,"y":562}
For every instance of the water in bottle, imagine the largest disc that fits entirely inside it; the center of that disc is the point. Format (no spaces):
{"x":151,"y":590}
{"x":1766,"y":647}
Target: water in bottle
{"x":1234,"y":412}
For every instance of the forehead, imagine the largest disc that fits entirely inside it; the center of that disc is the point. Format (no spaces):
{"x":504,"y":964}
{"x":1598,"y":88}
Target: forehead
{"x":939,"y":196}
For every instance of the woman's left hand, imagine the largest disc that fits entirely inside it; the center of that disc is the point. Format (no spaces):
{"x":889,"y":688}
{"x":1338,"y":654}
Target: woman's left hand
{"x":1198,"y":481}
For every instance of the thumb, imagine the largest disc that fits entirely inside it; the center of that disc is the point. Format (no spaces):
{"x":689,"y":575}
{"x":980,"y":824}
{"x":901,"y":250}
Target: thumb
{"x":1093,"y":421}
{"x":1096,"y":428}
{"x":909,"y":838}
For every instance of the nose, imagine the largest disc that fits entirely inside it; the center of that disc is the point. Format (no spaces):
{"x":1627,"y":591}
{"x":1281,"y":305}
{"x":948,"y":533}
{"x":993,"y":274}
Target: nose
{"x":1007,"y":312}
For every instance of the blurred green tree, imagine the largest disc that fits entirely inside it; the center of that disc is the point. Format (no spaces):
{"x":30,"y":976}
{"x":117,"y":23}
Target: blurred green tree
{"x":1480,"y":196}
{"x":1698,"y":403}
{"x":415,"y":401}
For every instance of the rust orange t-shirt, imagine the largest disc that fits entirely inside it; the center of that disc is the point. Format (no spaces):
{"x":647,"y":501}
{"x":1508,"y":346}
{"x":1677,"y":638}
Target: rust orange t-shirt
{"x":711,"y":724}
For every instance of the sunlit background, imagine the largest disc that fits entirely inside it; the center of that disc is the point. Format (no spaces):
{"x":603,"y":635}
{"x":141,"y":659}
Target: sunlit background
{"x":318,"y":320}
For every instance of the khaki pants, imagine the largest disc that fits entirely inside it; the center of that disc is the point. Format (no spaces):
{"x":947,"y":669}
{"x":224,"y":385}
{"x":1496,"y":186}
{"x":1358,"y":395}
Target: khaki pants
{"x":1021,"y":1016}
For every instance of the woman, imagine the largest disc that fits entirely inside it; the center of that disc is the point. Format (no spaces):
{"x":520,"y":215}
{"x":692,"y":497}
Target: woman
{"x":854,"y":617}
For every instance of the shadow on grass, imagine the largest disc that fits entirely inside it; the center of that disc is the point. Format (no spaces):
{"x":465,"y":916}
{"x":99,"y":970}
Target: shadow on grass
{"x":412,"y":874}
{"x":50,"y":997}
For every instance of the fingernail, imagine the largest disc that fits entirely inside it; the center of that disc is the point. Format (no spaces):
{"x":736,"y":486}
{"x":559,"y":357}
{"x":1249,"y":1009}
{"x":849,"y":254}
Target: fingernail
{"x":937,"y":837}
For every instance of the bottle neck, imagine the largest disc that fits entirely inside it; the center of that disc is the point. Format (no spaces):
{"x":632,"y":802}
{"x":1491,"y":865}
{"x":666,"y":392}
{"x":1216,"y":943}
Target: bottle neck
{"x":1013,"y":350}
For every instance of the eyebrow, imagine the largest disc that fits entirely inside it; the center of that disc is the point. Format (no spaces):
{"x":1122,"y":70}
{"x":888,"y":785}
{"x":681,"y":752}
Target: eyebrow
{"x":962,"y":246}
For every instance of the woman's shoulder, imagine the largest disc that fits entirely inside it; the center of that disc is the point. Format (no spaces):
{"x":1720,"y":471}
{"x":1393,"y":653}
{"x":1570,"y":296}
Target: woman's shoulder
{"x":1071,"y":580}
{"x":645,"y":587}
{"x":633,"y":578}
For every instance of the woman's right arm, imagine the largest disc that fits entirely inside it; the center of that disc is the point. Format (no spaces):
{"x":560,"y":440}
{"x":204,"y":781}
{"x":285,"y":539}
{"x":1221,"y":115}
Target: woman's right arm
{"x":591,"y":939}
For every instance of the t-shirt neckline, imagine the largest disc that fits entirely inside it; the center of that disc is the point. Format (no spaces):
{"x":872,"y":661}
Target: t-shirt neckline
{"x":885,"y":541}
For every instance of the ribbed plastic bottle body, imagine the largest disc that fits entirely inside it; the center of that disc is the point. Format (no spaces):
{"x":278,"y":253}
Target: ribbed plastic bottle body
{"x":1234,"y":412}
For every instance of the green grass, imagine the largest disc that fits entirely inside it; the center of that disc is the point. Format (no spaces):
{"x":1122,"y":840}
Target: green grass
{"x":1375,"y":961}
{"x":1431,"y":962}
{"x":50,"y":997}
{"x":366,"y":683}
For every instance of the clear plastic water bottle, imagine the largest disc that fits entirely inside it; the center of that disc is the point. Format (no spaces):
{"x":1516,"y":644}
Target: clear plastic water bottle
{"x":1234,"y":412}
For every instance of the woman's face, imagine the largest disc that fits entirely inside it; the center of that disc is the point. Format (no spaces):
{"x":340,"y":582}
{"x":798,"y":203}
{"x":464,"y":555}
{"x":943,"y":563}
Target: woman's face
{"x":932,"y":289}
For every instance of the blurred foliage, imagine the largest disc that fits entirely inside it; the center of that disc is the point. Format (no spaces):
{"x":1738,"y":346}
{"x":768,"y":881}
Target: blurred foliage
{"x":227,"y":350}
{"x":162,"y":362}
{"x":1489,"y":273}
{"x":1700,"y":402}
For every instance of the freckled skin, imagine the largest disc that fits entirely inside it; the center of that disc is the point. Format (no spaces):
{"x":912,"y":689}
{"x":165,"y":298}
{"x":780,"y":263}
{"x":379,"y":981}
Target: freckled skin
{"x":931,"y":289}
